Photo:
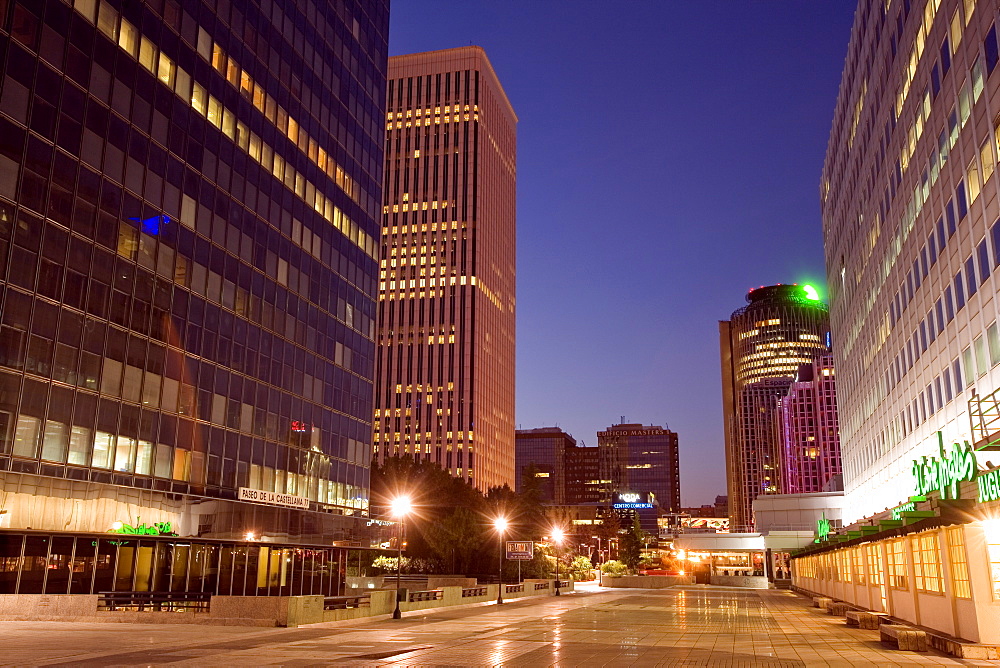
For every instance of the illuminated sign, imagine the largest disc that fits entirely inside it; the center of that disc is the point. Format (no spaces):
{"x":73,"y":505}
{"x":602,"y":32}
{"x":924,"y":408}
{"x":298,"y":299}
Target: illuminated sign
{"x":380,"y":523}
{"x":143,"y":529}
{"x":626,"y":506}
{"x":273,"y":498}
{"x":632,"y":432}
{"x":897,"y":512}
{"x":628,"y":497}
{"x":989,"y":486}
{"x":944,"y":473}
{"x":822,"y":527}
{"x":298,"y":425}
{"x":520,"y":550}
{"x":720,"y":524}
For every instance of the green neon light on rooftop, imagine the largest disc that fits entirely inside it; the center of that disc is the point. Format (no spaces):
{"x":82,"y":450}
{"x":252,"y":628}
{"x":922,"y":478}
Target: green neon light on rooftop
{"x":810,"y":292}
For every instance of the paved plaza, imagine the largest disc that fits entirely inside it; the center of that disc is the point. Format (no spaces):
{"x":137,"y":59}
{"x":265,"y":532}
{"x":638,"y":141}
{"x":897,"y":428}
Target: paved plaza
{"x":689,"y":626}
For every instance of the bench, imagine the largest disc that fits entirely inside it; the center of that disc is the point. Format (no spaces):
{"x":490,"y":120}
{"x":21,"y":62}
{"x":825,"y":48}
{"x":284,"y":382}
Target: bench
{"x":157,"y":601}
{"x":429,"y":595}
{"x":904,"y":637}
{"x":822,"y":602}
{"x":346,"y":602}
{"x":864,"y":619}
{"x":838,"y":608}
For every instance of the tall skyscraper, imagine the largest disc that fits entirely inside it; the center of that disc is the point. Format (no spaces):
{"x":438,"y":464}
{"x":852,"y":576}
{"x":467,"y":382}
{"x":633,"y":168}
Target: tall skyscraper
{"x":809,"y":458}
{"x":641,"y":459}
{"x":445,"y":389}
{"x":909,"y":203}
{"x":762,"y":346}
{"x":189,"y":196}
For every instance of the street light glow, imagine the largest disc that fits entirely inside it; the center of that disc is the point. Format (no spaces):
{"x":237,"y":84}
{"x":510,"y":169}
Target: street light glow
{"x":557,"y":535}
{"x":501,"y":524}
{"x":401,"y":506}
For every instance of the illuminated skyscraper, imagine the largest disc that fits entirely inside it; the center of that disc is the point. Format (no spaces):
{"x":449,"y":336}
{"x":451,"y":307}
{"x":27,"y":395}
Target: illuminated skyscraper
{"x":909,"y":201}
{"x":642,"y":459}
{"x":762,"y":346}
{"x":189,"y":212}
{"x":445,"y":388}
{"x":809,"y":458}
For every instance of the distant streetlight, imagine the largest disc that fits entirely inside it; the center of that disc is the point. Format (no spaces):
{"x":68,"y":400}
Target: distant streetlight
{"x":401,"y":506}
{"x":500,"y":524}
{"x":557,"y":538}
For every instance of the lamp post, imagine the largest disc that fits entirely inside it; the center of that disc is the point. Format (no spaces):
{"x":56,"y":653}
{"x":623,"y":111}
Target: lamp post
{"x":557,"y":536}
{"x":401,"y":506}
{"x":500,"y":524}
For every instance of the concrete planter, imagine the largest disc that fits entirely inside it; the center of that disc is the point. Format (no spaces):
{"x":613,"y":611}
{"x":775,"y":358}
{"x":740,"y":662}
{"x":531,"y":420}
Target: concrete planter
{"x":646,"y":581}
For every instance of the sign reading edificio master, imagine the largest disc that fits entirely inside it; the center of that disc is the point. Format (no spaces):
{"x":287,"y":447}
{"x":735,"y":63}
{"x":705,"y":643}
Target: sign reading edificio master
{"x":263,"y":496}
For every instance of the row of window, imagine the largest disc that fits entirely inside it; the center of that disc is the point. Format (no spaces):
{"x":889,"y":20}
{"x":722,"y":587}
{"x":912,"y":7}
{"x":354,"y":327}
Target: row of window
{"x":890,"y":563}
{"x":60,"y":443}
{"x":168,"y":73}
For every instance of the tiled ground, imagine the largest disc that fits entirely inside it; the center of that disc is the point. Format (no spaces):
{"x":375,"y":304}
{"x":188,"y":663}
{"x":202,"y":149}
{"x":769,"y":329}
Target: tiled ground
{"x":693,"y":626}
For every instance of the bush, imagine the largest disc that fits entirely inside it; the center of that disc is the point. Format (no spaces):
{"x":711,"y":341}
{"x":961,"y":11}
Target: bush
{"x":580,"y":568}
{"x":614,"y":568}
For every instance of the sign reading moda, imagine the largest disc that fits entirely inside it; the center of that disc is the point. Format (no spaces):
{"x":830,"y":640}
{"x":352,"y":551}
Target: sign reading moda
{"x":273,"y":498}
{"x":630,"y":500}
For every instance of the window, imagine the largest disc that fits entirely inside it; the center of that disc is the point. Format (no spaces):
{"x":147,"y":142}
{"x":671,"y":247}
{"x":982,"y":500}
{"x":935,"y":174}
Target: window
{"x":991,"y":531}
{"x":959,"y":292}
{"x":955,"y":32}
{"x":963,"y":205}
{"x":986,"y":158}
{"x":927,"y":563}
{"x":26,"y":436}
{"x":979,"y":346}
{"x":104,"y":445}
{"x":983,"y":254}
{"x":976,"y":75}
{"x":896,"y":551}
{"x":959,"y":563}
{"x":949,"y":211}
{"x":970,"y":275}
{"x":79,"y":446}
{"x":990,"y":49}
{"x":993,"y":343}
{"x":968,"y":367}
{"x":872,"y":552}
{"x":55,"y":441}
{"x":972,"y":181}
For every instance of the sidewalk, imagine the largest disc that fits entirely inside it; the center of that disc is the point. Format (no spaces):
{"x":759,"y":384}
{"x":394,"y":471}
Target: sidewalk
{"x":697,"y":625}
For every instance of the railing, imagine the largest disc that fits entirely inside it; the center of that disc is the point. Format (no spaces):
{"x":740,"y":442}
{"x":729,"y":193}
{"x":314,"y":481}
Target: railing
{"x":345,"y":602}
{"x":429,"y":595}
{"x":514,"y":589}
{"x":157,"y":601}
{"x":984,"y":419}
{"x":561,"y":584}
{"x":474,"y":591}
{"x":541,"y":585}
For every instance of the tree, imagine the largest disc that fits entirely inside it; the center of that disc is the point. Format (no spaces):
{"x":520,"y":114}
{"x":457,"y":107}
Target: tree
{"x":630,"y":549}
{"x":580,"y":568}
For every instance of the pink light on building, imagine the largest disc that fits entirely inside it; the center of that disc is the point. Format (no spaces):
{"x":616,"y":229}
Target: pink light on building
{"x":810,"y":452}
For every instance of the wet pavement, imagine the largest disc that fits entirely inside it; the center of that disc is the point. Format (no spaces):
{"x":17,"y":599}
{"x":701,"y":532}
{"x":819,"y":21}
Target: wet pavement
{"x":687,"y":626}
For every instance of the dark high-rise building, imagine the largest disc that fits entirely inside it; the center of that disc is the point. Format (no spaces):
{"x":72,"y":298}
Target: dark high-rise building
{"x":762,"y":346}
{"x":584,"y":484}
{"x":643,"y":460}
{"x":543,"y":453}
{"x":189,"y":223}
{"x":445,"y":389}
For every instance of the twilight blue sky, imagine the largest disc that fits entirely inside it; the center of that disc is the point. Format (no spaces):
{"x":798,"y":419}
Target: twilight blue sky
{"x":669,"y":157}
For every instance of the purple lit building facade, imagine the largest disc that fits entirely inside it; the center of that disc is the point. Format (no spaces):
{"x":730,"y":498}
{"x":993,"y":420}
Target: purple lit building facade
{"x":809,"y":459}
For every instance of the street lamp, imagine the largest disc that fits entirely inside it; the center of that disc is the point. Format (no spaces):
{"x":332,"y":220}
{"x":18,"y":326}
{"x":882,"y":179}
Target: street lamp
{"x":557,"y":537}
{"x":500,"y":524}
{"x":401,"y":506}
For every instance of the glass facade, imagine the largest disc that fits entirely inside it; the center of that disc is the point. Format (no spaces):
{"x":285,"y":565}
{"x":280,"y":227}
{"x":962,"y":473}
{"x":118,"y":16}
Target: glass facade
{"x":189,"y":196}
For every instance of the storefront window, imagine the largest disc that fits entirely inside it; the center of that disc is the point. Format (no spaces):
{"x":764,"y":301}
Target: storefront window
{"x":991,"y":531}
{"x":897,"y":564}
{"x":927,"y":563}
{"x":959,"y":563}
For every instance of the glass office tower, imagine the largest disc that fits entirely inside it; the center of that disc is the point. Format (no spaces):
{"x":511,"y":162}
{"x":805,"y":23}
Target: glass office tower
{"x":189,"y":195}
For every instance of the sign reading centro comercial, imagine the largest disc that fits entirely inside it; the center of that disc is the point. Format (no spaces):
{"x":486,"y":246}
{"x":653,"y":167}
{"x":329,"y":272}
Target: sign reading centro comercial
{"x":273,"y":498}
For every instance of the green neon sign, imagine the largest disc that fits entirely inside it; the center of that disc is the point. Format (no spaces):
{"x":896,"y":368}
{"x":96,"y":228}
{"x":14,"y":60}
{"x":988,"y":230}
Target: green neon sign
{"x":897,"y":512}
{"x":989,"y":486}
{"x":810,"y":292}
{"x":944,"y":473}
{"x":823,"y":527}
{"x":154,"y":529}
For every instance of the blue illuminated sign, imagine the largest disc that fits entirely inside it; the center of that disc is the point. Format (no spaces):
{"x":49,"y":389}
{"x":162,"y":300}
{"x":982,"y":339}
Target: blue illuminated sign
{"x":623,"y":506}
{"x":152,"y":224}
